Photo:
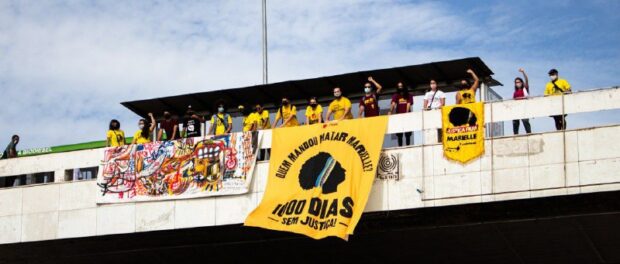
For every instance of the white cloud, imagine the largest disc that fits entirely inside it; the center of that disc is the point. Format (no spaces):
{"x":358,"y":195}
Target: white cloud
{"x":66,"y":66}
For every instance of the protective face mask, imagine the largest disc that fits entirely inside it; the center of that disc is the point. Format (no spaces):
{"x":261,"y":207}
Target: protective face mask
{"x":141,"y":126}
{"x":367,"y":89}
{"x":167,"y":116}
{"x":519,"y":85}
{"x":337,"y":94}
{"x":285,"y":102}
{"x":220,"y":109}
{"x":553,"y":77}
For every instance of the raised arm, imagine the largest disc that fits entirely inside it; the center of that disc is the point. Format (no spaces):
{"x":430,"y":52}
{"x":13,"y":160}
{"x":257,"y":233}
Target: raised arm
{"x":379,"y":87}
{"x":476,"y":80}
{"x":526,"y":85}
{"x":153,"y":124}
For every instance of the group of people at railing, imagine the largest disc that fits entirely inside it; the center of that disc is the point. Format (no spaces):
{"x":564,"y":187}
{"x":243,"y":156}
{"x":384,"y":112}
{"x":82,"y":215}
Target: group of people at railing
{"x":339,"y":109}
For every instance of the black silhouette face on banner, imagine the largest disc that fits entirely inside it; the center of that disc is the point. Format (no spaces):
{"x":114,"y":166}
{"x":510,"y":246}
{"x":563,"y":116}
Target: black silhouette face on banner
{"x":460,"y":116}
{"x":322,"y":171}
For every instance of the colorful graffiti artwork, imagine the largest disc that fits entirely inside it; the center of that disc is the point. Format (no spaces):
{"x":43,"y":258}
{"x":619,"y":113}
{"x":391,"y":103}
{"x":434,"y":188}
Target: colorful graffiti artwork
{"x":193,"y":167}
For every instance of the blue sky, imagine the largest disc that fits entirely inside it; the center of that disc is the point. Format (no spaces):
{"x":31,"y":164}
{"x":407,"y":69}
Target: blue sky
{"x":66,"y":65}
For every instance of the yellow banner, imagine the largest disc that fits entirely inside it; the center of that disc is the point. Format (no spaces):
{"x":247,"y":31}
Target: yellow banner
{"x":463,"y":131}
{"x":320,"y":177}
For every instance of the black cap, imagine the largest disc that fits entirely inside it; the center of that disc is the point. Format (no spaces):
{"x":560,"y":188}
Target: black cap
{"x":553,"y":72}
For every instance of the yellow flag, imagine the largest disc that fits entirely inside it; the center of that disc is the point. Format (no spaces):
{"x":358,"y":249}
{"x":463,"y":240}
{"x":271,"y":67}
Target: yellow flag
{"x":463,"y":131}
{"x":320,"y":177}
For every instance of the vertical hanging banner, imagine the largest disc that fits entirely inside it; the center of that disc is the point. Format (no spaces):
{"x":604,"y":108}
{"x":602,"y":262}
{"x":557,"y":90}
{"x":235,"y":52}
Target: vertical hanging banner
{"x":320,"y":177}
{"x":176,"y":169}
{"x":463,"y":131}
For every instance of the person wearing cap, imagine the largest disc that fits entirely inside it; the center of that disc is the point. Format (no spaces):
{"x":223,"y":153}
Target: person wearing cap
{"x":221,"y":123}
{"x":467,"y":94}
{"x":287,"y":113}
{"x":192,"y":125}
{"x":170,"y":126}
{"x":340,"y":107}
{"x":369,"y":104}
{"x":557,"y":86}
{"x":249,"y":119}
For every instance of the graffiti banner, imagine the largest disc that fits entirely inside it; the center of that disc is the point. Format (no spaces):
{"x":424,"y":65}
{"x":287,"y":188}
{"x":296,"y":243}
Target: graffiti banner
{"x":185,"y":168}
{"x":320,"y":177}
{"x":463,"y":131}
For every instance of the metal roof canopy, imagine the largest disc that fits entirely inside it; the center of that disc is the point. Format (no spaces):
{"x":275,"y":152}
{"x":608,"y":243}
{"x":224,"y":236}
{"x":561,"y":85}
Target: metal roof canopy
{"x":447,"y":73}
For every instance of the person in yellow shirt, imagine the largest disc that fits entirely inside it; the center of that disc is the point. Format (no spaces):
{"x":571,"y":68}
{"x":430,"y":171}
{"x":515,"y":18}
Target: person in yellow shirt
{"x":557,"y":86}
{"x":467,"y":94}
{"x":287,"y":113}
{"x":221,"y":123}
{"x":340,"y":107}
{"x":314,"y":112}
{"x":146,"y":131}
{"x":115,"y":137}
{"x":249,"y":119}
{"x":261,"y":117}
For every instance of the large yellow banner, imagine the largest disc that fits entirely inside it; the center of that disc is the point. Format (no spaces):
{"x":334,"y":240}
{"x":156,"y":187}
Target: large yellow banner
{"x":320,"y":177}
{"x":463,"y":131}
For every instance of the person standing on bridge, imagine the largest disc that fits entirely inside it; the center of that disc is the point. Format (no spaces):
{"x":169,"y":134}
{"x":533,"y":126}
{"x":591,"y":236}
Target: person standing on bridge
{"x":145,"y":133}
{"x":170,"y":126}
{"x":221,"y":123}
{"x":557,"y":86}
{"x":435,"y":98}
{"x":369,"y":103}
{"x":522,"y":91}
{"x":11,"y":149}
{"x":340,"y":107}
{"x":115,"y":137}
{"x":261,"y":116}
{"x":249,"y":119}
{"x":467,"y":94}
{"x":401,"y":103}
{"x":314,"y":112}
{"x":287,"y":113}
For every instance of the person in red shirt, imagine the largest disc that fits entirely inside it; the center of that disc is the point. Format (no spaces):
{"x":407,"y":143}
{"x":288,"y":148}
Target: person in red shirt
{"x":169,"y":125}
{"x":401,"y":103}
{"x":522,"y":90}
{"x":369,"y":103}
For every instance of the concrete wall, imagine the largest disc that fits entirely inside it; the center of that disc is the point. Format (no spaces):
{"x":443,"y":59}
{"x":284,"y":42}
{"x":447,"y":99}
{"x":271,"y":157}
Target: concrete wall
{"x":536,"y":165}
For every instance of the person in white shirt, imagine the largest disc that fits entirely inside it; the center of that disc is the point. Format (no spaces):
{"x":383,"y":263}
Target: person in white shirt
{"x":434,"y":99}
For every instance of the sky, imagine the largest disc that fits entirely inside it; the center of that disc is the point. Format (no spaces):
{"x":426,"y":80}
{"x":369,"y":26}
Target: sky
{"x":65,"y":66}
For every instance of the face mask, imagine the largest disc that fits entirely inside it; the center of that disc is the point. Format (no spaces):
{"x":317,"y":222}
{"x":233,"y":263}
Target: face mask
{"x":313,"y":105}
{"x":257,"y":110}
{"x":367,"y":90}
{"x":167,"y":116}
{"x":553,"y":77}
{"x":433,"y":86}
{"x":464,"y":86}
{"x":141,"y":126}
{"x":401,"y":90}
{"x":519,"y":85}
{"x":220,"y":109}
{"x":284,"y":102}
{"x":337,"y":94}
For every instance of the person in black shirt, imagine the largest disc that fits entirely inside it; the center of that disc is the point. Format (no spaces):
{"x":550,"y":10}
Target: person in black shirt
{"x":192,"y":124}
{"x":11,"y":150}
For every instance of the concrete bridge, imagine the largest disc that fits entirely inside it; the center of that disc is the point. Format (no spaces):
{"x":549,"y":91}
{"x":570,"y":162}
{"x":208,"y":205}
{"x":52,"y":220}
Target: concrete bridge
{"x":544,"y":197}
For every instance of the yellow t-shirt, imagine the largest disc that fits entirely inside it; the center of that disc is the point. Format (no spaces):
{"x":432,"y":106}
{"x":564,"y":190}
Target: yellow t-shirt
{"x":140,"y":139}
{"x":561,"y":83}
{"x":220,"y":128}
{"x":116,"y":138}
{"x":312,"y":115}
{"x":467,"y":96}
{"x":248,"y":121}
{"x":286,"y":112}
{"x":338,"y":106}
{"x":262,"y":120}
